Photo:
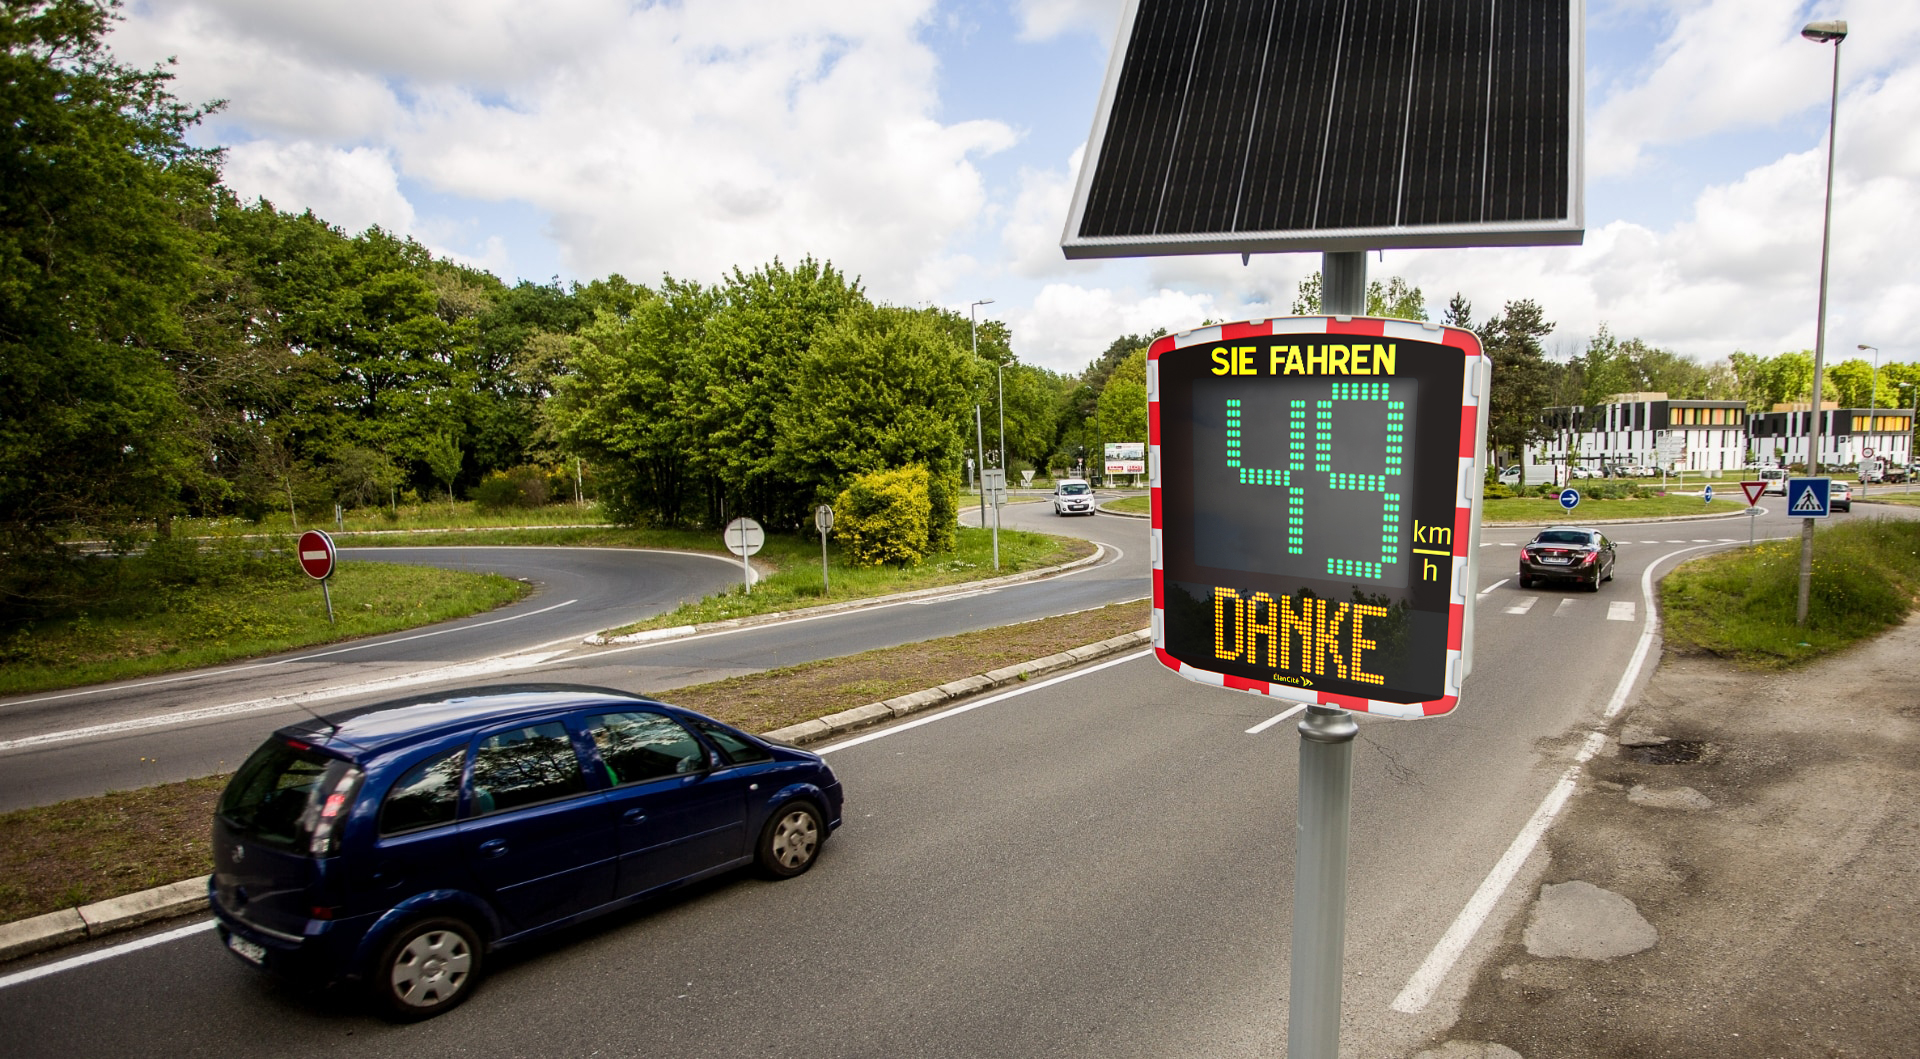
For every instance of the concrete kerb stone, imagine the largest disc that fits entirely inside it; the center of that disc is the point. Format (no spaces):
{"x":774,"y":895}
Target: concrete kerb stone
{"x":54,"y":929}
{"x":678,"y":631}
{"x":824,"y":728}
{"x":111,"y":916}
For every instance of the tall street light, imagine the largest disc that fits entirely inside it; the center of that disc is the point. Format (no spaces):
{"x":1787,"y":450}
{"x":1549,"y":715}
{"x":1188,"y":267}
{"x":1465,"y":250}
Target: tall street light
{"x":1873,"y":400}
{"x":1831,"y":31}
{"x":973,"y":335}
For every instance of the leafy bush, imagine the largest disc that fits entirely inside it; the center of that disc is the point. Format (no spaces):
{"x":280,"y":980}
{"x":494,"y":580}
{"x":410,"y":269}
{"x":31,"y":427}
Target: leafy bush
{"x":519,"y":487}
{"x":883,"y":517}
{"x":943,"y":512}
{"x":1496,"y":491}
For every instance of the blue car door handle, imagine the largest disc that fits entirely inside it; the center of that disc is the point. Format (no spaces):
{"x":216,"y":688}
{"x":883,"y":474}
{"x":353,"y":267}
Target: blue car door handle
{"x":493,"y":847}
{"x":633,"y":816}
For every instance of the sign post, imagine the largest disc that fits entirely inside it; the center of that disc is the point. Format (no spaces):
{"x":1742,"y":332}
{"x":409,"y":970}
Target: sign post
{"x":1752,"y":491}
{"x":744,"y":537}
{"x":1316,"y":493}
{"x":993,"y":487}
{"x":317,"y":557}
{"x":823,"y":521}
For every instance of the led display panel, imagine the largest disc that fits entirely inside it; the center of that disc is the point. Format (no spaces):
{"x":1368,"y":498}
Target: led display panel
{"x":1316,"y":494}
{"x":1336,"y":125}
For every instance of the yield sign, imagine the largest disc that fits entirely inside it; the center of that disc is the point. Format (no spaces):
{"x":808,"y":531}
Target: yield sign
{"x":316,"y":554}
{"x":1753,"y":491}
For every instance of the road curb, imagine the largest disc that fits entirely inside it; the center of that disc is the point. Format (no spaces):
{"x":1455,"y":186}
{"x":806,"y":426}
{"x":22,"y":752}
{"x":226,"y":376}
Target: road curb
{"x":54,"y":929}
{"x":838,"y":724}
{"x":679,"y":631}
{"x":111,"y":916}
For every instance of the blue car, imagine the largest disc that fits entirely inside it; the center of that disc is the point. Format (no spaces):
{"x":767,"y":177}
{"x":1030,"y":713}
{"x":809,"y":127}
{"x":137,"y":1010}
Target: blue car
{"x":400,"y":847}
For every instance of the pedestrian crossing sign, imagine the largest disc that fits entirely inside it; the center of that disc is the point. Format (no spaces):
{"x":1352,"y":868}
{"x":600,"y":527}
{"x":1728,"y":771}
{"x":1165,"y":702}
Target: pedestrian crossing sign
{"x":1808,"y":497}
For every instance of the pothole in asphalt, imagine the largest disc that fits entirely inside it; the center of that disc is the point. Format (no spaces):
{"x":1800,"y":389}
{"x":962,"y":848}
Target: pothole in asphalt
{"x":1674,"y":752}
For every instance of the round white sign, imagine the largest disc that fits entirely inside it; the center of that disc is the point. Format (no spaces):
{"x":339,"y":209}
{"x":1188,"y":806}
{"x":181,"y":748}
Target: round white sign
{"x":744,"y":536}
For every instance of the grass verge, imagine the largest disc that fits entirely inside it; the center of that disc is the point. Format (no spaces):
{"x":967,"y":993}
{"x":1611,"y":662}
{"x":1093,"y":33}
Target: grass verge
{"x":1135,"y":505}
{"x":795,"y":580}
{"x":91,"y":849}
{"x":194,"y":625}
{"x":1740,"y":604}
{"x":416,"y":516}
{"x":1548,"y":509}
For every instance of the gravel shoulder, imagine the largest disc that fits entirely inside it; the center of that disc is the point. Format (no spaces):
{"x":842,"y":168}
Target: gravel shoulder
{"x":1777,"y":870}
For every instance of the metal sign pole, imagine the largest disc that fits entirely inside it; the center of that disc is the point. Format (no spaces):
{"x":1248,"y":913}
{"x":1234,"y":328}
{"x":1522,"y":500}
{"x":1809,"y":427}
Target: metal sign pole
{"x":1320,"y":883}
{"x":746,"y":570}
{"x":980,"y":445}
{"x":327,"y":592}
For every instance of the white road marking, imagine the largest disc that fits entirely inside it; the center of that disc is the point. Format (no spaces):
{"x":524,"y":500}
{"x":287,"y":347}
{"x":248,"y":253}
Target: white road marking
{"x":1118,"y":555}
{"x":462,"y":671}
{"x":71,"y":962}
{"x":1523,"y":604}
{"x":1620,"y":610}
{"x":1489,"y":588}
{"x":201,"y":674}
{"x":988,"y":701}
{"x":1566,"y":605}
{"x":1275,"y":719}
{"x":956,"y":595}
{"x":1426,"y":979}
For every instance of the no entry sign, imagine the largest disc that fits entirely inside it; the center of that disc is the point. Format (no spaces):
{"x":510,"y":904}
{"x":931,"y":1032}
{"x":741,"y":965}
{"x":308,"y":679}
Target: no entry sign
{"x":316,"y":554}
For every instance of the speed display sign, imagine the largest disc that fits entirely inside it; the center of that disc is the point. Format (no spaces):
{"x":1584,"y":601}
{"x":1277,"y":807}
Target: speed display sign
{"x":1316,"y":498}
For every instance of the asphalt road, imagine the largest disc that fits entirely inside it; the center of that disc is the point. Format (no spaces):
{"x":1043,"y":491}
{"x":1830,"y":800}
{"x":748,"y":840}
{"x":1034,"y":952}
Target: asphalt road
{"x":60,"y":745}
{"x":1096,"y":866}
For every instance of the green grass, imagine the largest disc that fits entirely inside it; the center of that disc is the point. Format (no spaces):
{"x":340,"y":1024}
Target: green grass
{"x":795,"y":581}
{"x":423,"y":516}
{"x":1531,"y":509}
{"x":186,"y":626}
{"x":1138,"y":505}
{"x":1740,"y":604}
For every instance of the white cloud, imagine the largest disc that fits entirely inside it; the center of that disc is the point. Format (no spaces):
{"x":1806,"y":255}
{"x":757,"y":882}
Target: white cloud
{"x":1731,"y":65}
{"x":1046,"y":19}
{"x":352,"y":189}
{"x":685,"y":138}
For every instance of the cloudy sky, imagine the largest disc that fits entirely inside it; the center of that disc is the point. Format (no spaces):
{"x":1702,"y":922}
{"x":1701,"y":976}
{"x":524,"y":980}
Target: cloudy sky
{"x":930,"y":147}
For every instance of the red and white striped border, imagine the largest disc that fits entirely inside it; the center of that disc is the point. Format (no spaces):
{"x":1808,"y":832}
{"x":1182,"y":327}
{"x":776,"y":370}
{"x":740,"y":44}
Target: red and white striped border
{"x":1466,"y":515}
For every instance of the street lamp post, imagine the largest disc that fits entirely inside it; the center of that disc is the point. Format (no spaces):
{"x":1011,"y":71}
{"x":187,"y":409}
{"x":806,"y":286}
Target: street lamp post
{"x":1909,"y":470}
{"x":973,"y":335}
{"x":1873,"y":402}
{"x":1823,"y":32}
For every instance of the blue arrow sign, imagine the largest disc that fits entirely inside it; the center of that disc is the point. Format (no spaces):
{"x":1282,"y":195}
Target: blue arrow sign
{"x":1569,"y":498}
{"x":1708,"y":494}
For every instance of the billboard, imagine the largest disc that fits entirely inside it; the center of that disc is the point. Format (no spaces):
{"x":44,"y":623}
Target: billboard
{"x":1126,"y":457}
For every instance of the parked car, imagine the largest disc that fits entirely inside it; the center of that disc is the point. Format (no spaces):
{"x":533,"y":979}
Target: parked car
{"x":1567,"y":553}
{"x":402,"y":847}
{"x":1839,"y":496}
{"x":1072,"y":496}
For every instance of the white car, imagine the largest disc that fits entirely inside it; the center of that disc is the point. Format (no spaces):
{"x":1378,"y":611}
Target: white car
{"x":1776,"y":479}
{"x":1072,"y":496}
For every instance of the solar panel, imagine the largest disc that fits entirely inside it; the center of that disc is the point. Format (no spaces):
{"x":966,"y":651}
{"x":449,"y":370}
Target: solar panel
{"x":1231,"y":126}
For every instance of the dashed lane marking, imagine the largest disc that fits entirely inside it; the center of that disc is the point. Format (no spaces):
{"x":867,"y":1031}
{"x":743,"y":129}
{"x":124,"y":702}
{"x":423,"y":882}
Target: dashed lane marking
{"x":1523,"y":604}
{"x":1620,"y":610}
{"x":1566,"y":607}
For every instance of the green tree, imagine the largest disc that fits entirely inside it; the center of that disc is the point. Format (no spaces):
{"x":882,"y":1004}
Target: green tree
{"x":1393,"y":297}
{"x":1123,"y":402}
{"x":878,"y":388}
{"x":103,"y":206}
{"x":1523,"y":379}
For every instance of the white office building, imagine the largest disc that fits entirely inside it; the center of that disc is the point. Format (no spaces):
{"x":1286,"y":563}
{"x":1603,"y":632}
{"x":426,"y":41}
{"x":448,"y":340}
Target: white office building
{"x":1648,"y":430}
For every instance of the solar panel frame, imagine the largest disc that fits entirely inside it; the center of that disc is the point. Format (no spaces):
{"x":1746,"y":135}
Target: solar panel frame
{"x":1182,"y":85}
